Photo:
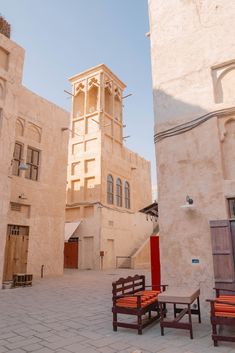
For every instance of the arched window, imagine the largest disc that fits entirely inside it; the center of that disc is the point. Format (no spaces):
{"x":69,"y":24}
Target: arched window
{"x":119,"y":192}
{"x":78,"y":104}
{"x":110,"y":189}
{"x":108,"y":101}
{"x":127,"y":195}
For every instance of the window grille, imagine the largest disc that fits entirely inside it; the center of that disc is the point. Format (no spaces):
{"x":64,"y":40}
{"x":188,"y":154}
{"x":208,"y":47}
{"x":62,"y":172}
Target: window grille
{"x":110,"y":189}
{"x":32,"y":162}
{"x":15,"y":206}
{"x":119,"y":192}
{"x":127,"y":195}
{"x":17,"y":230}
{"x":17,"y":155}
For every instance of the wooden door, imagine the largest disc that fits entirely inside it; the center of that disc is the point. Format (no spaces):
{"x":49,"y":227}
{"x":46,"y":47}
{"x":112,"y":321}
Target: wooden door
{"x":16,"y":251}
{"x":88,"y":252}
{"x":222,"y":250}
{"x":71,"y":254}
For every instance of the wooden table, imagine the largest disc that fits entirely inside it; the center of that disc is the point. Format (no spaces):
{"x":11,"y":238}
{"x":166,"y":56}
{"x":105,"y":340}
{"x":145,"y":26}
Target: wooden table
{"x":185,"y":297}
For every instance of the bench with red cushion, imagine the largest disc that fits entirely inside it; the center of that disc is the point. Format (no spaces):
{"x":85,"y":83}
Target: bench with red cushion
{"x":131,"y":297}
{"x":222,"y":313}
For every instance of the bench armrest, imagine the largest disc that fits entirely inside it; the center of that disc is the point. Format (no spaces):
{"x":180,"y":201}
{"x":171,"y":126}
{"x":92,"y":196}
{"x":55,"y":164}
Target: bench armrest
{"x":213,"y":301}
{"x":163,"y":286}
{"x":217,"y":290}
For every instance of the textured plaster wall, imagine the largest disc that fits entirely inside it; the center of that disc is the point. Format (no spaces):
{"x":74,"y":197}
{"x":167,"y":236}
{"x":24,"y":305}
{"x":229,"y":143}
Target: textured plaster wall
{"x":187,"y":39}
{"x":10,"y":79}
{"x":47,"y":195}
{"x":192,"y":43}
{"x":43,"y":208}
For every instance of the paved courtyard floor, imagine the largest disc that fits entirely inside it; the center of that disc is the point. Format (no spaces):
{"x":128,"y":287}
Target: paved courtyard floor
{"x":72,"y":313}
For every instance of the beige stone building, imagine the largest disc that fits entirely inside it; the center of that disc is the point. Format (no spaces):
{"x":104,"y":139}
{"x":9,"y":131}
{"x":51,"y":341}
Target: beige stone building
{"x":107,"y":183}
{"x":33,"y":159}
{"x":193,"y":67}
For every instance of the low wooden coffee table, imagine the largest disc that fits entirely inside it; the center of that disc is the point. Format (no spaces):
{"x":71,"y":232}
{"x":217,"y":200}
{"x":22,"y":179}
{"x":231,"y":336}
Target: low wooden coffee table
{"x":184,"y":297}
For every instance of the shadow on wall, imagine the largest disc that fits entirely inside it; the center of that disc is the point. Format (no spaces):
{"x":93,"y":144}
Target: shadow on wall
{"x":82,"y":199}
{"x":169,"y":109}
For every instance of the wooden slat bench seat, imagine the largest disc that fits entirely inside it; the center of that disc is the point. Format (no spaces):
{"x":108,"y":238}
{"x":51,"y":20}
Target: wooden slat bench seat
{"x":131,"y":297}
{"x":222,"y":313}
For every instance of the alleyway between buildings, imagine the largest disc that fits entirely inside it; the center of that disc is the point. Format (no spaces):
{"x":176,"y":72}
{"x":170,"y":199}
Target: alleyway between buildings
{"x":72,"y":313}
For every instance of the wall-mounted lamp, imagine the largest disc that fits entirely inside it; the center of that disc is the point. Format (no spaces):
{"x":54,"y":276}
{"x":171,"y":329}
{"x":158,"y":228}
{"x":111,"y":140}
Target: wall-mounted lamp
{"x":189,"y":203}
{"x":22,"y":196}
{"x":189,"y":200}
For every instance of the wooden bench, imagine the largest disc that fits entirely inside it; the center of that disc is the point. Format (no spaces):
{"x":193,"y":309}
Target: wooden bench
{"x":22,"y":279}
{"x":131,"y":297}
{"x":222,"y":313}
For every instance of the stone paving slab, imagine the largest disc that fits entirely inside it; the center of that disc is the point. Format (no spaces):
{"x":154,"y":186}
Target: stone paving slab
{"x":72,"y":314}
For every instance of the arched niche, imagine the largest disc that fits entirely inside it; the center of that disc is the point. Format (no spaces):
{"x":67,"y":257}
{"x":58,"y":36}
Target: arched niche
{"x":34,"y":132}
{"x":92,"y":99}
{"x":228,"y":149}
{"x":2,"y":89}
{"x":79,"y":104}
{"x":108,"y":101}
{"x":224,"y":82}
{"x":19,"y":127}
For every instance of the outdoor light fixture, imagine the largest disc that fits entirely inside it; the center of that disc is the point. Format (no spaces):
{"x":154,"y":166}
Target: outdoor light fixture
{"x":189,"y":200}
{"x":23,"y":166}
{"x":22,"y":196}
{"x":189,"y":205}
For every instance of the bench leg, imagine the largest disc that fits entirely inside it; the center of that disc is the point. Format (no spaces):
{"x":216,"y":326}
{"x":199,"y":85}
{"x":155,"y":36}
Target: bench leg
{"x":114,"y":321}
{"x":139,"y":325}
{"x":214,"y":331}
{"x":174,"y":310}
{"x":199,"y":311}
{"x":162,"y":315}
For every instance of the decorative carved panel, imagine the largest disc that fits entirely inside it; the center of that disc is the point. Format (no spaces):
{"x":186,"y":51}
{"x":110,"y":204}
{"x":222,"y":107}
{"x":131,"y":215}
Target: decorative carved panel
{"x":223,"y":77}
{"x":20,"y":123}
{"x":34,"y":132}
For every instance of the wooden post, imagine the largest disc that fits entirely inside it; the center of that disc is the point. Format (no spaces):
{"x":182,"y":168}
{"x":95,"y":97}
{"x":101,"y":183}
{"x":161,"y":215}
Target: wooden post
{"x":155,"y":261}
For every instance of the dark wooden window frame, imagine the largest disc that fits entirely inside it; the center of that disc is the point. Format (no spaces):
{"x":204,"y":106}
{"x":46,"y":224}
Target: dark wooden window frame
{"x":127,"y":195}
{"x":119,"y":192}
{"x":32,"y":161}
{"x":231,"y":208}
{"x":17,"y":157}
{"x":110,"y":189}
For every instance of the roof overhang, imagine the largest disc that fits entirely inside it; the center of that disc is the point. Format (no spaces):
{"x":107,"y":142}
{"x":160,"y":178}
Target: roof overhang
{"x":69,"y":229}
{"x":151,"y":210}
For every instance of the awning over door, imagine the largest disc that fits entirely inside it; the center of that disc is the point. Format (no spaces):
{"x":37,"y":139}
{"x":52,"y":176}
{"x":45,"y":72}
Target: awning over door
{"x":69,"y":229}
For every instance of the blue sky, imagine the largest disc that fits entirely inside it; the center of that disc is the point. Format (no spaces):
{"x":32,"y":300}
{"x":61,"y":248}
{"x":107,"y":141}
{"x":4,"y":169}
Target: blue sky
{"x":64,"y":37}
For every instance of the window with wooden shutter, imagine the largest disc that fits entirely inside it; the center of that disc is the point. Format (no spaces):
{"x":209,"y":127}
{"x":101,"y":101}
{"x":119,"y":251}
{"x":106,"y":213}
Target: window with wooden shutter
{"x":32,"y":163}
{"x":222,"y":250}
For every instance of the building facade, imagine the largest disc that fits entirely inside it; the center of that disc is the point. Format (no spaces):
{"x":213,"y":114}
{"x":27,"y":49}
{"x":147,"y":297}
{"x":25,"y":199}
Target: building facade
{"x":33,"y":160}
{"x":193,"y":68}
{"x":107,"y":183}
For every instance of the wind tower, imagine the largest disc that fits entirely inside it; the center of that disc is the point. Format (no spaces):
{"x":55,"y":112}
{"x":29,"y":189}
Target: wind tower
{"x":104,"y":190}
{"x":97,"y":129}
